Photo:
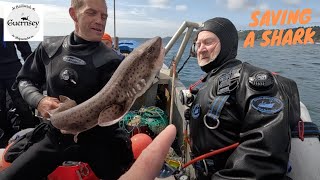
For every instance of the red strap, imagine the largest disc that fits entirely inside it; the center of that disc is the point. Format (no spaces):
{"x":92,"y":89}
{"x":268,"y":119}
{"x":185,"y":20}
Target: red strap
{"x":212,"y":153}
{"x":301,"y":130}
{"x":196,"y":83}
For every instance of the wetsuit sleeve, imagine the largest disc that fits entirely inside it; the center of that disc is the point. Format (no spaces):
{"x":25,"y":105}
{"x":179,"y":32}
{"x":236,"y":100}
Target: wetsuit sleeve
{"x":264,"y":147}
{"x":24,"y":48}
{"x":30,"y":93}
{"x":32,"y":76}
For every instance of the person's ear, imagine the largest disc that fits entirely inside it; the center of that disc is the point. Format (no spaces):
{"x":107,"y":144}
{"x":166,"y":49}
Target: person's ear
{"x":73,"y":14}
{"x":193,"y":49}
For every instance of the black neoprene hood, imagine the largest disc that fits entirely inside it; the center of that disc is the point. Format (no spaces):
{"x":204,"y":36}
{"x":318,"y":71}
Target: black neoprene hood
{"x":228,"y":36}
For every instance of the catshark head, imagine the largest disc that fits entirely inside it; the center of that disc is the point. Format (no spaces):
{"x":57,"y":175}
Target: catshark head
{"x":140,"y":67}
{"x":132,"y":78}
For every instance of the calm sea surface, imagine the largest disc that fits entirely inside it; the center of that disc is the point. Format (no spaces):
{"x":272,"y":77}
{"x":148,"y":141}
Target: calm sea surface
{"x":300,"y":63}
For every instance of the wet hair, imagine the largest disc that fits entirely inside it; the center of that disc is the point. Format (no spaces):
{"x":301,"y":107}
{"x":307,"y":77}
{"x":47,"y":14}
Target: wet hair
{"x":77,"y":4}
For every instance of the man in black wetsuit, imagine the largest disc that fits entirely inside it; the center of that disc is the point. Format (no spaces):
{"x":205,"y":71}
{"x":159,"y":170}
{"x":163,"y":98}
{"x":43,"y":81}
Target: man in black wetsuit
{"x":241,"y":103}
{"x":76,"y":66}
{"x":9,"y":67}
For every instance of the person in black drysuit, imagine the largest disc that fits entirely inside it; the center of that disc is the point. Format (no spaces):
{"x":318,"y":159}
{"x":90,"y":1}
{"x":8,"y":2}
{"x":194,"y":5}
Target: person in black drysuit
{"x":9,"y":67}
{"x":239,"y":102}
{"x":76,"y":66}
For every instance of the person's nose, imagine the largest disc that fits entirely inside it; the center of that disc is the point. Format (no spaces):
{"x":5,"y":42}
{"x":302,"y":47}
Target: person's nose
{"x":202,"y":48}
{"x":99,"y":20}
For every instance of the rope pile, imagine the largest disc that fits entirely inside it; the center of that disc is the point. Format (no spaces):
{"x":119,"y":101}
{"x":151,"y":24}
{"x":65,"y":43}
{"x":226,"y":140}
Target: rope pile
{"x":152,"y":117}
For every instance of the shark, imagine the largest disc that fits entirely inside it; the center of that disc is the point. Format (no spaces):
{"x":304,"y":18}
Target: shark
{"x":131,"y":79}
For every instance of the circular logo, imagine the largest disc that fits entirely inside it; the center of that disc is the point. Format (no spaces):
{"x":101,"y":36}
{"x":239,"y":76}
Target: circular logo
{"x":23,"y":22}
{"x":267,"y":104}
{"x":196,"y":111}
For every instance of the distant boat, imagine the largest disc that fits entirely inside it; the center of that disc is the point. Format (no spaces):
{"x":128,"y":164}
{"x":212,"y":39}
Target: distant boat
{"x":127,"y":46}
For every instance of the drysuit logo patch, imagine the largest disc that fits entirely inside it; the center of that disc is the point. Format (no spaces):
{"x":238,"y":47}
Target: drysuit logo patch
{"x":23,"y":23}
{"x":267,"y":104}
{"x":196,"y":110}
{"x":74,"y":60}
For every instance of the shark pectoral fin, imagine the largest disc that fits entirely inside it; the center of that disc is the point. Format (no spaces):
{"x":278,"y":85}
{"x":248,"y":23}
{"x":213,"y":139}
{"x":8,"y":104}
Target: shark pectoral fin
{"x":65,"y":103}
{"x":63,"y":98}
{"x":67,"y":132}
{"x":111,"y":115}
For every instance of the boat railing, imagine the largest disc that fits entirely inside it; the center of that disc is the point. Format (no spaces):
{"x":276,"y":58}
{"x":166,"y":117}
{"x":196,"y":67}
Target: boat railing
{"x":190,"y":26}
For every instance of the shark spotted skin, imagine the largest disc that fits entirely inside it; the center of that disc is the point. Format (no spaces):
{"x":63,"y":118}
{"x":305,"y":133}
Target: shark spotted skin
{"x":131,"y":79}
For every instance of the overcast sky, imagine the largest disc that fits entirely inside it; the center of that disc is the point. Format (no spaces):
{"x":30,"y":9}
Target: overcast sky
{"x":147,"y":18}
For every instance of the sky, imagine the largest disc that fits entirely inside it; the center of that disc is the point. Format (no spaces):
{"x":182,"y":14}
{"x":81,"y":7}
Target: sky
{"x":149,"y":18}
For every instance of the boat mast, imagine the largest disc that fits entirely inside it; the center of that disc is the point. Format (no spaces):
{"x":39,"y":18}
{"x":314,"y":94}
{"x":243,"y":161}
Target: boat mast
{"x":116,"y":40}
